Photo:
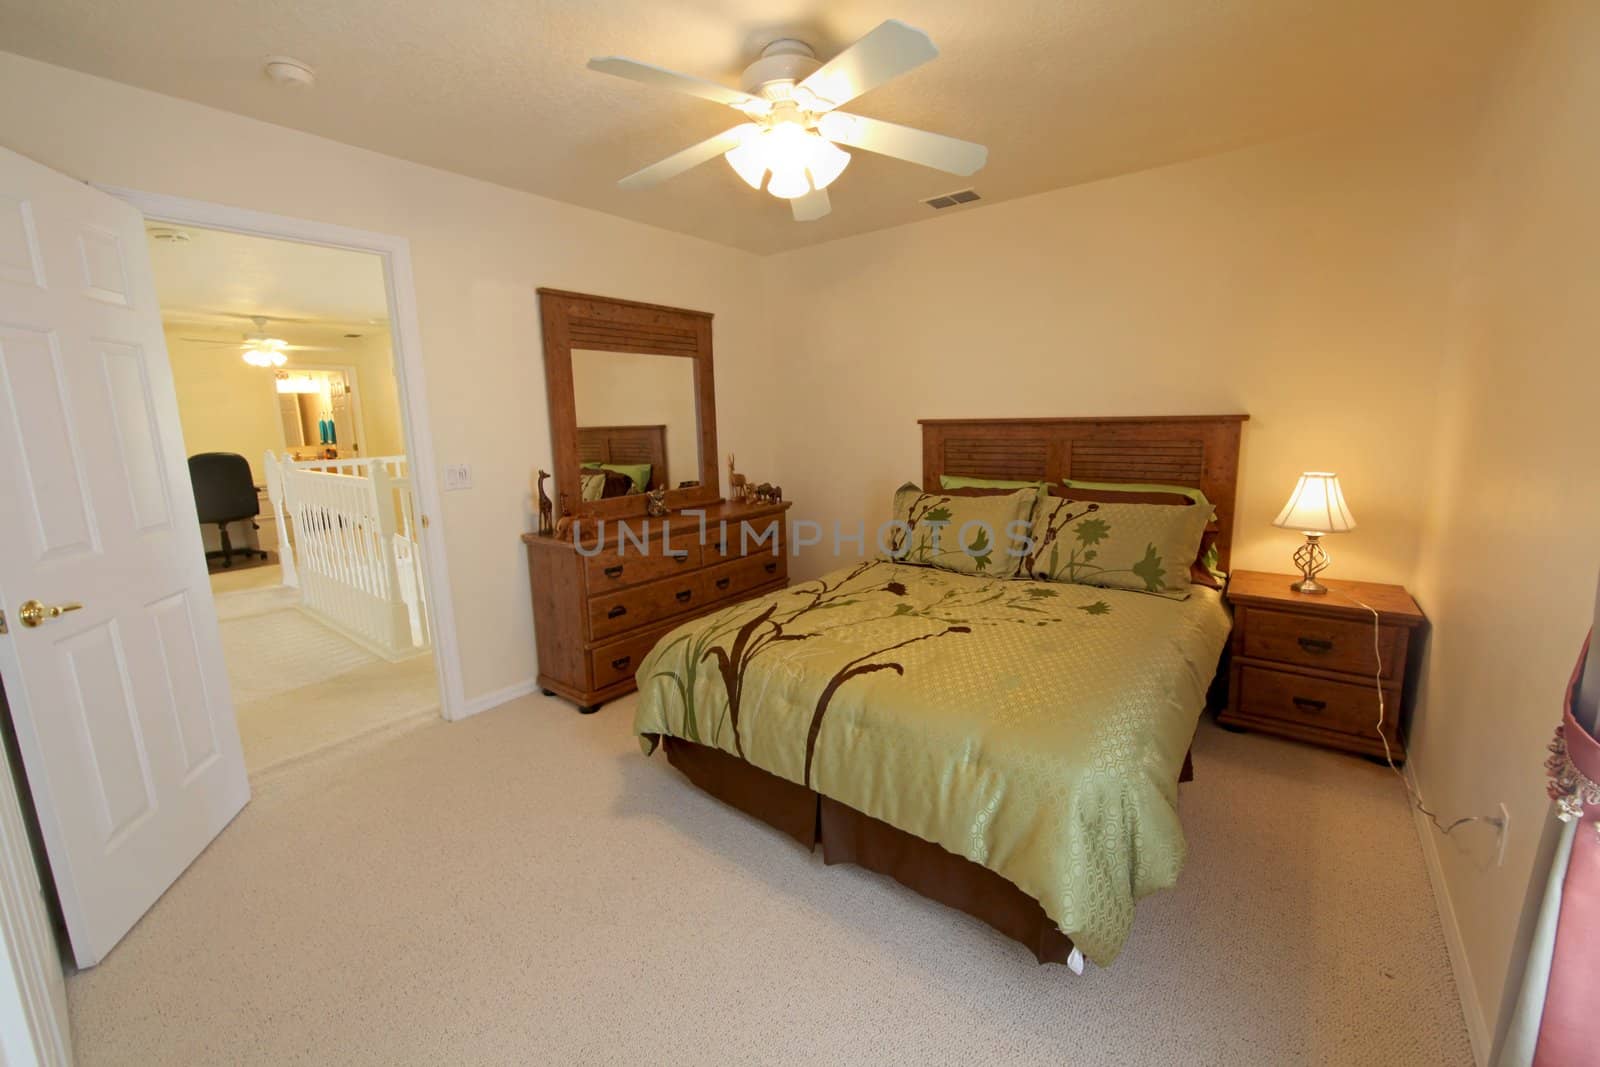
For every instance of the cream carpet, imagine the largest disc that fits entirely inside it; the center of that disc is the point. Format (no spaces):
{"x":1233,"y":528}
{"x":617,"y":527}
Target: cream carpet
{"x":298,"y":686}
{"x":524,"y":887}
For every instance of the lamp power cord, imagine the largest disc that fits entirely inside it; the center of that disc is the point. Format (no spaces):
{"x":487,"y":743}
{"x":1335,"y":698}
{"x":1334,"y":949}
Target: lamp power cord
{"x":1412,"y":793}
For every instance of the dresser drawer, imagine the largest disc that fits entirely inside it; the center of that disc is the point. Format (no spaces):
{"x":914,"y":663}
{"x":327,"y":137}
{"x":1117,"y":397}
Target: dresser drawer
{"x":640,"y":605}
{"x":727,"y":580}
{"x":616,"y":569}
{"x":1345,"y":707}
{"x":1330,"y":644}
{"x":618,"y":660}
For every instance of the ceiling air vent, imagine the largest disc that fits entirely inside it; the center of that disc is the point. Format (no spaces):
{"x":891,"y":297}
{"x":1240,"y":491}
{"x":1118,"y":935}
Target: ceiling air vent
{"x":939,"y":203}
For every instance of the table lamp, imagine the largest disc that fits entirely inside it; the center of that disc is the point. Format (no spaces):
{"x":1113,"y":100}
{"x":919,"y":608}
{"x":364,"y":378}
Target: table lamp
{"x":1316,"y":507}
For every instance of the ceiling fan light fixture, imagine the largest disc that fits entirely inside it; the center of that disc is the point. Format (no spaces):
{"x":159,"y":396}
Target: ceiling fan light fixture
{"x":798,"y":158}
{"x":789,"y":182}
{"x":748,"y":162}
{"x":827,"y":162}
{"x":265,"y":352}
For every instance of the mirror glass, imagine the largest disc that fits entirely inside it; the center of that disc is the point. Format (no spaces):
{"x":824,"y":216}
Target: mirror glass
{"x":637,"y":425}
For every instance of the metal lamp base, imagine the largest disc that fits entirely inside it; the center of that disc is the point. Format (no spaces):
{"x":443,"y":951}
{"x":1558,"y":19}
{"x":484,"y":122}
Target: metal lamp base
{"x":1311,"y":559}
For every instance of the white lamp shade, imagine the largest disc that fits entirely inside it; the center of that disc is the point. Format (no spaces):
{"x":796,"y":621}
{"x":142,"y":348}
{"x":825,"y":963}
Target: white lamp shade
{"x":1316,"y":506}
{"x":789,"y":183}
{"x":798,"y":159}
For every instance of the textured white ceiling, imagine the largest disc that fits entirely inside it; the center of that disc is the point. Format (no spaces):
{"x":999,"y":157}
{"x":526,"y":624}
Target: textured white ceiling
{"x":215,"y":277}
{"x":1062,"y":91}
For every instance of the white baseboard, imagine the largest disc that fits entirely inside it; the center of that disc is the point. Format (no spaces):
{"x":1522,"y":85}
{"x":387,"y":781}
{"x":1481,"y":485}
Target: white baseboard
{"x":485,"y":701}
{"x":1478,"y":1031}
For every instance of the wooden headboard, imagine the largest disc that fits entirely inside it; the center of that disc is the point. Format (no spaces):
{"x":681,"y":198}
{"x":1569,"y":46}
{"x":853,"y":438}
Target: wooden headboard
{"x":626,"y":444}
{"x":1201,"y":451}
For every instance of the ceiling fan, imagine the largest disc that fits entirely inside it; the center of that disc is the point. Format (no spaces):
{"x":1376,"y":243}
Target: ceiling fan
{"x":258,"y":348}
{"x":794,"y":129}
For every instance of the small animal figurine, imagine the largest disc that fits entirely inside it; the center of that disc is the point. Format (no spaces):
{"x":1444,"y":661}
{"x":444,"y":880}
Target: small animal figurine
{"x":564,"y":523}
{"x":738,"y":485}
{"x":656,"y":502}
{"x":547,"y":525}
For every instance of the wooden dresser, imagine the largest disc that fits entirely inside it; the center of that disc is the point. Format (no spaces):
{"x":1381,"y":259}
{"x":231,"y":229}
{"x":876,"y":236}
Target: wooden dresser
{"x":1304,"y":666}
{"x":597,"y":613}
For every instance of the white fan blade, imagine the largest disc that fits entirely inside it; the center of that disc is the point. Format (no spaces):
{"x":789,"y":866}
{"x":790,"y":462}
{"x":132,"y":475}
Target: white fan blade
{"x":812,"y":206}
{"x":311,"y":348}
{"x":934,"y":150}
{"x":661,"y":78}
{"x":887,"y":52}
{"x":210,"y":341}
{"x":690,"y":157}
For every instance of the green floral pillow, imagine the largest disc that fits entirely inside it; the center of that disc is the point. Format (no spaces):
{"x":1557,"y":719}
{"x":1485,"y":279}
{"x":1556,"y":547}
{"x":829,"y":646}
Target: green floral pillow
{"x":969,"y":534}
{"x":1143,"y":547}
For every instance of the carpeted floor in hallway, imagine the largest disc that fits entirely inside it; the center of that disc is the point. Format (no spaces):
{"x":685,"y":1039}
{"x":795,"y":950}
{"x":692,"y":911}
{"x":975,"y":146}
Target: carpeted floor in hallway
{"x":524,"y":887}
{"x":299,"y":686}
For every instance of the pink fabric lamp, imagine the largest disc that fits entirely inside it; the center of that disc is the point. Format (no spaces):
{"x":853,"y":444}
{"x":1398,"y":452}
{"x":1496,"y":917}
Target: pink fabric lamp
{"x":1316,"y":507}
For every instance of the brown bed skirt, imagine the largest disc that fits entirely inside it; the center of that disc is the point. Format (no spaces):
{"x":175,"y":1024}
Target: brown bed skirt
{"x":848,"y":836}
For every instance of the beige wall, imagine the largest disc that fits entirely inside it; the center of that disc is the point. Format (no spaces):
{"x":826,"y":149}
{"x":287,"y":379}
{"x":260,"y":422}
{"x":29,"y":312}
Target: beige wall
{"x":226,"y":405}
{"x":1512,"y":543}
{"x":479,"y":250}
{"x":1304,"y":283}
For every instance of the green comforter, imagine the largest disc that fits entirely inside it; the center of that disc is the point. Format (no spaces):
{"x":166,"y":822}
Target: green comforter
{"x":1036,"y":728}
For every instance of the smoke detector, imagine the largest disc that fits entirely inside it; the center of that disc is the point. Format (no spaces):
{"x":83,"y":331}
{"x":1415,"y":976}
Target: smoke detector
{"x":290,"y":72}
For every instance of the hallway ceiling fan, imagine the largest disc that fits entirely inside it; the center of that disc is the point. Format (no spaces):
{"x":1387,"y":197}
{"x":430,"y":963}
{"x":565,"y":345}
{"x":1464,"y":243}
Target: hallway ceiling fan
{"x":260,"y":349}
{"x":794,"y":129}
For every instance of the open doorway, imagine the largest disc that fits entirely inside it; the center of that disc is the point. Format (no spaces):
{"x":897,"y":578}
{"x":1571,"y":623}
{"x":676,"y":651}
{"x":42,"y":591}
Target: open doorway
{"x":283,"y":362}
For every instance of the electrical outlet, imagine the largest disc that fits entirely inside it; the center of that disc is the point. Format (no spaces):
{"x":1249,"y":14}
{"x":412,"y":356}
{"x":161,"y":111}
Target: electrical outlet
{"x":457,"y":476}
{"x":1505,"y":835}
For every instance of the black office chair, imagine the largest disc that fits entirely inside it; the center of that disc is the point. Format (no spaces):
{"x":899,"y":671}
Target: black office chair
{"x":224,"y":492}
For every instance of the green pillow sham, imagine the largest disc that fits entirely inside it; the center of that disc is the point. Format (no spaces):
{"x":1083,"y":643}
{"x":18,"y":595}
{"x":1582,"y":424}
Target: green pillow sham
{"x":967,"y":534}
{"x":638,"y":473}
{"x":1146,"y":548}
{"x":1211,"y":561}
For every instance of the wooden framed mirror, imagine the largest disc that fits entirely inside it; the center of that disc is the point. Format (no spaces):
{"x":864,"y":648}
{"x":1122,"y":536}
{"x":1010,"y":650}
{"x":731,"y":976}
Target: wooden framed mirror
{"x":632,"y":404}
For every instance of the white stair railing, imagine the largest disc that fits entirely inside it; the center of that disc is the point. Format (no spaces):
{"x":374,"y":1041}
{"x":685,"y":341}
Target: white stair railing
{"x":354,"y":549}
{"x":273,"y":466}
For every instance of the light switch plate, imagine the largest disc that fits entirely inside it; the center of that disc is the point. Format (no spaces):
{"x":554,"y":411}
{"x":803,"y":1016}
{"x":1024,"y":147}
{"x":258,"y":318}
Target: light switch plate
{"x":457,"y":476}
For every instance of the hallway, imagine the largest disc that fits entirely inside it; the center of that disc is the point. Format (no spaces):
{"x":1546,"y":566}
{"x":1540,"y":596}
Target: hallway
{"x":300,"y":687}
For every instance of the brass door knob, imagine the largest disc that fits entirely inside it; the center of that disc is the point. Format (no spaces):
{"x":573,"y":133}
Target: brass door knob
{"x":32,"y":613}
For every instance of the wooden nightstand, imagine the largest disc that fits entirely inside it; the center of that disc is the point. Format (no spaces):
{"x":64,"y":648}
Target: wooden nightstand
{"x":1303,"y":666}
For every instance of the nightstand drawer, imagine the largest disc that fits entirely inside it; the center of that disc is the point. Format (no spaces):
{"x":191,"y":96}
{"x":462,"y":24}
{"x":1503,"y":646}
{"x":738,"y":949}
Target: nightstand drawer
{"x":1328,"y":644}
{"x":1345,"y":707}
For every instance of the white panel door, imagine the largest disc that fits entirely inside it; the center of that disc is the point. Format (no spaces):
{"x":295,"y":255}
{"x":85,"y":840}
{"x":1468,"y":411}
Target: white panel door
{"x":122,"y":707}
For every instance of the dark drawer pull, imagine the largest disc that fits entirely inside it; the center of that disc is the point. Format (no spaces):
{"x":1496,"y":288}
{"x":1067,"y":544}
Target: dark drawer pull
{"x":772,"y":568}
{"x":1307,"y":704}
{"x":617,"y":612}
{"x":614,"y":571}
{"x":620,"y":662}
{"x":683,"y":558}
{"x":683,"y":595}
{"x":723,"y":583}
{"x":1316,"y":644}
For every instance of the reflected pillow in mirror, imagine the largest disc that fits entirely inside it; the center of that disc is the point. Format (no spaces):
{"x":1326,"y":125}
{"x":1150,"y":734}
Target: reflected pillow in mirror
{"x":638,"y":474}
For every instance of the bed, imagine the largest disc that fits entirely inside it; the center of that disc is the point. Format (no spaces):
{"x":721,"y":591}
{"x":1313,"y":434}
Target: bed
{"x":1011,"y":748}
